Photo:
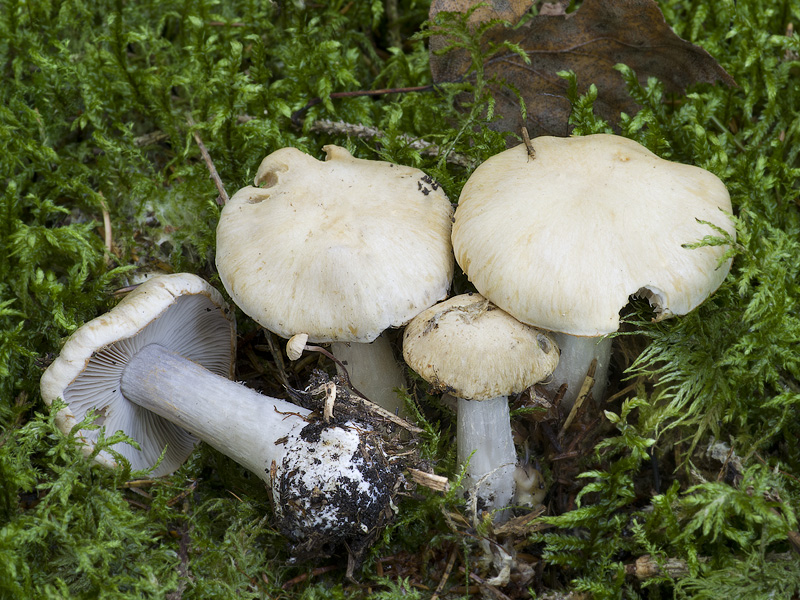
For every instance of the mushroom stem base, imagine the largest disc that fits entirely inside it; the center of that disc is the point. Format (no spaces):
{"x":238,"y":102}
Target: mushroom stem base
{"x":577,"y":354}
{"x":333,"y":482}
{"x":373,"y":371}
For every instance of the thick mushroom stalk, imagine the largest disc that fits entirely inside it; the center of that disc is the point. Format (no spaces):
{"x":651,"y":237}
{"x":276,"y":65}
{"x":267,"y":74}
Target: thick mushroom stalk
{"x":374,"y":371}
{"x":483,"y":437}
{"x":329,"y":484}
{"x":577,"y":355}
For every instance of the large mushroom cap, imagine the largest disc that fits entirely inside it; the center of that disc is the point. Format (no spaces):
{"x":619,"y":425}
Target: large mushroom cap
{"x":562,"y":240}
{"x":471,"y":348}
{"x":181,"y":312}
{"x":339,"y":249}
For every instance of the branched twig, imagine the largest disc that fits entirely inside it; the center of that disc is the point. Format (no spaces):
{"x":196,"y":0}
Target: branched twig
{"x":365,"y":132}
{"x":329,"y":127}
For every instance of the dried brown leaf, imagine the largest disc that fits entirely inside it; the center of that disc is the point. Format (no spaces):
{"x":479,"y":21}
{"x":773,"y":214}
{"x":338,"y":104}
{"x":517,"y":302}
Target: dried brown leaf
{"x":454,"y":64}
{"x":589,"y":41}
{"x":508,"y":10}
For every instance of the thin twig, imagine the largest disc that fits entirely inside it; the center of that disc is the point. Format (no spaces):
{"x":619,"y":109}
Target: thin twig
{"x":139,"y":483}
{"x":297,"y":115}
{"x":485,"y":586}
{"x":588,"y":383}
{"x":141,"y":492}
{"x":365,"y":402}
{"x":173,"y":501}
{"x":526,"y":138}
{"x":446,"y":575}
{"x":209,"y":163}
{"x":108,"y":238}
{"x":622,"y":392}
{"x":429,"y":480}
{"x":366,"y":132}
{"x":124,"y":291}
{"x":523,"y":525}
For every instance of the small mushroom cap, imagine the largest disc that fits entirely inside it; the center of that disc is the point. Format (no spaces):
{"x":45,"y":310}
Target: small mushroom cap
{"x":472,"y":349}
{"x":181,"y":312}
{"x":562,"y":240}
{"x":339,"y":249}
{"x":296,"y":345}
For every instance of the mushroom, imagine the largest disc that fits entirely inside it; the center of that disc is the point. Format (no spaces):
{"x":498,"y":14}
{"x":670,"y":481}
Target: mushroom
{"x":180,"y":312}
{"x":339,"y":251}
{"x":563,"y":239}
{"x":481,"y":354}
{"x":531,"y":489}
{"x":156,"y":367}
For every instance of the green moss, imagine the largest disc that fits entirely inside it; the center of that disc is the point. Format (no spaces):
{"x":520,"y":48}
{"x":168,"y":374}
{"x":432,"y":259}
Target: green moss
{"x":93,"y":118}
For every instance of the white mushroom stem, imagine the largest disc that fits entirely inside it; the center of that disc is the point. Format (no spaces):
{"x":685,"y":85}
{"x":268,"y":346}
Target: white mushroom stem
{"x":373,"y":371}
{"x":239,"y":422}
{"x":330,"y":483}
{"x":484,"y":438}
{"x":577,"y":354}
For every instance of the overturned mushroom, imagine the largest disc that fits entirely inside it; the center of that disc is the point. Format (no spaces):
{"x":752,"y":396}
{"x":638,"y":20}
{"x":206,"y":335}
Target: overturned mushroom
{"x":158,"y":364}
{"x":480,"y":354}
{"x":338,"y":251}
{"x":563,"y":240}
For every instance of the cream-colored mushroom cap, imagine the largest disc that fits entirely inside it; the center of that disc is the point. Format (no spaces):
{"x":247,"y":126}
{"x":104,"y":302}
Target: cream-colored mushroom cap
{"x":339,"y":249}
{"x":181,"y":312}
{"x":562,"y":239}
{"x":472,"y":349}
